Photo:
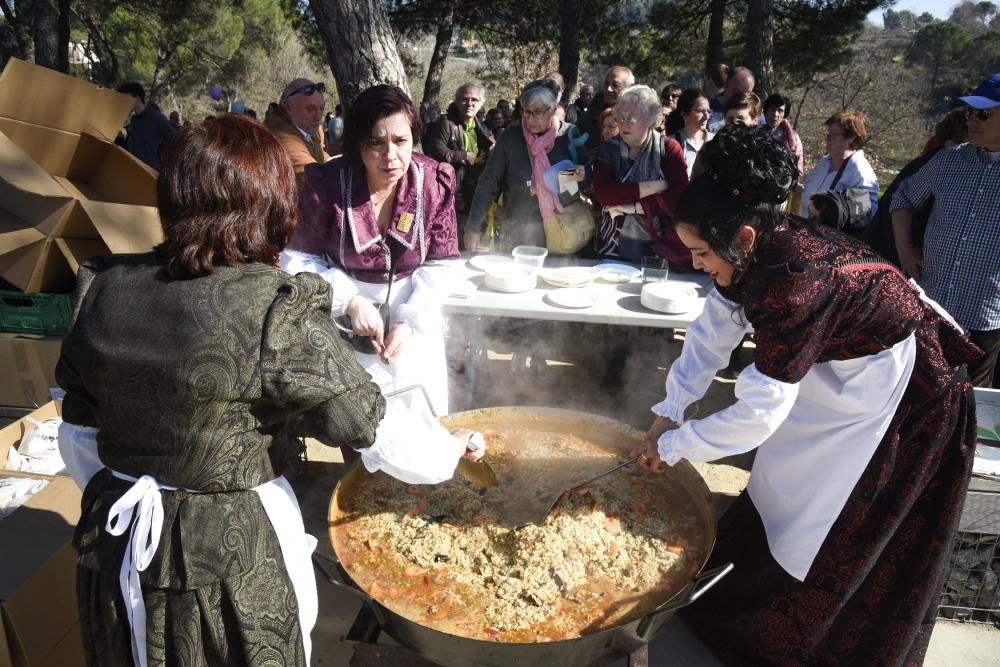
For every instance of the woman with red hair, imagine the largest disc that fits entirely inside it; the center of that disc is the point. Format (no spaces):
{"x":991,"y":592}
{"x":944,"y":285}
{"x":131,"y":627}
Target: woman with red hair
{"x":184,"y":370}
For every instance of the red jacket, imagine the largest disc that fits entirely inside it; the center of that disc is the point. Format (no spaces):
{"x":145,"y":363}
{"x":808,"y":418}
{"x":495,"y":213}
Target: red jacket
{"x":611,"y":192}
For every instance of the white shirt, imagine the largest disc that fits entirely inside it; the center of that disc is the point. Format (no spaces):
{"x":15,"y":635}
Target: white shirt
{"x":690,"y":152}
{"x":857,"y":174}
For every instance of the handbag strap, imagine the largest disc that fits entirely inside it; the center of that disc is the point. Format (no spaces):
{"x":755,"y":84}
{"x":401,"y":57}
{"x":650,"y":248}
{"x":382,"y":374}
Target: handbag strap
{"x":840,"y":172}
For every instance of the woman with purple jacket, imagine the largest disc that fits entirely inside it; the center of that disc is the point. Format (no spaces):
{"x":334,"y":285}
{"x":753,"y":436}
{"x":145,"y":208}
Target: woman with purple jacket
{"x":376,"y":223}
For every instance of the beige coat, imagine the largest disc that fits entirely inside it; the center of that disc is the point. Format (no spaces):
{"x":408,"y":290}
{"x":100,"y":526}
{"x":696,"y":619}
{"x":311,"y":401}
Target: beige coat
{"x":299,"y":152}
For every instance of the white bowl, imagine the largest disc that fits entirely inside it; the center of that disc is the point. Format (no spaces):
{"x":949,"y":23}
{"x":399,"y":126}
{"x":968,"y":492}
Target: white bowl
{"x":668,"y":298}
{"x":509,"y":278}
{"x":568,"y":276}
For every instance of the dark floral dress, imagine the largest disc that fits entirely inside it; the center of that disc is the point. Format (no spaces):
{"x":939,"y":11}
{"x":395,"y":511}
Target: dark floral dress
{"x":192,"y":382}
{"x":871,"y":594}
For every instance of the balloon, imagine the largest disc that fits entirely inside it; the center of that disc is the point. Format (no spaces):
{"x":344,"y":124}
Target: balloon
{"x":215,"y":92}
{"x":238,"y":106}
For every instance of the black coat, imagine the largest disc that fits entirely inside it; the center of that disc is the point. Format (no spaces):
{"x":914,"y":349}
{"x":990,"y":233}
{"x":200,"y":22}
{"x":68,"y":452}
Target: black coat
{"x":879,"y":234}
{"x":445,"y":142}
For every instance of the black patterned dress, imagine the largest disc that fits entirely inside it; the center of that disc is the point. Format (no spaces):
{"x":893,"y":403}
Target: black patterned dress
{"x":871,"y":594}
{"x":192,"y":382}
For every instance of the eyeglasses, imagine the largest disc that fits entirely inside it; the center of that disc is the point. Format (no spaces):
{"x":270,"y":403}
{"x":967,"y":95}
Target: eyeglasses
{"x":308,"y":89}
{"x":831,"y":135}
{"x":537,"y":115}
{"x":473,"y":100}
{"x":627,"y":120}
{"x":981,"y":114}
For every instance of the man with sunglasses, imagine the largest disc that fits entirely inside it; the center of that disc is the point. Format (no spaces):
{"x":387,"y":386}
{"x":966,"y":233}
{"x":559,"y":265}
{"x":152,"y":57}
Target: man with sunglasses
{"x":298,"y":124}
{"x":958,"y":265}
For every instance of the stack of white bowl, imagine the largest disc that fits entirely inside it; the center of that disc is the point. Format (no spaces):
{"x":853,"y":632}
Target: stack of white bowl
{"x":668,"y":297}
{"x":510,"y":277}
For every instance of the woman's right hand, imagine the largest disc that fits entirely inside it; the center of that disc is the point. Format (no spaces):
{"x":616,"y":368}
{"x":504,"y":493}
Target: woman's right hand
{"x":472,"y":241}
{"x":365,"y":320}
{"x":650,"y":188}
{"x":472,"y":442}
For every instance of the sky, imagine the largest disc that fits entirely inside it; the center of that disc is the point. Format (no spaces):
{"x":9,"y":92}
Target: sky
{"x":939,"y":8}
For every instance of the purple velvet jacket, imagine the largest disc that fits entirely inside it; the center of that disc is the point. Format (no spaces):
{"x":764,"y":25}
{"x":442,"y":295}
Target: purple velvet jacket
{"x":338,"y":222}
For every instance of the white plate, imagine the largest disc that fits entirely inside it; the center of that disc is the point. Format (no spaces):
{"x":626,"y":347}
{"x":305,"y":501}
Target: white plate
{"x":571,"y":297}
{"x":616,"y":273}
{"x":480,"y":262}
{"x":568,"y":276}
{"x":668,"y":298}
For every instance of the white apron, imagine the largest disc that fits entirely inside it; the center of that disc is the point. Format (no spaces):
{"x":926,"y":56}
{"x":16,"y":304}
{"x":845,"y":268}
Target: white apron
{"x":141,"y":509}
{"x":423,"y":358}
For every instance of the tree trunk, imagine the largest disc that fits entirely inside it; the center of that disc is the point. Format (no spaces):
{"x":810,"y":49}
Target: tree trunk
{"x":760,"y":44}
{"x":8,"y":44}
{"x":435,"y":71}
{"x":45,"y":31}
{"x":713,"y":48}
{"x":360,"y":45}
{"x":104,"y":68}
{"x":62,"y":36}
{"x":569,"y":46}
{"x":18,"y":15}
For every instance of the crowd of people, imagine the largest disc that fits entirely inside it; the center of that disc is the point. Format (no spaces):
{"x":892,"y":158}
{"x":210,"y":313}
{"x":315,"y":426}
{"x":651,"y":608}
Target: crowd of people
{"x":295,"y":291}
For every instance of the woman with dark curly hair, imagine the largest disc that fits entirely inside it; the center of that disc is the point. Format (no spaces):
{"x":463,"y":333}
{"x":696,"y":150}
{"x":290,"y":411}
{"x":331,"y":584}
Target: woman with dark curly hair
{"x":860,"y":408}
{"x":184,"y":370}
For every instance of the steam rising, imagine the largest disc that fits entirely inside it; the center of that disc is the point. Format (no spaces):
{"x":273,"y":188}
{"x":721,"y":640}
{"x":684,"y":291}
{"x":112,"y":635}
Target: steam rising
{"x":614,"y":371}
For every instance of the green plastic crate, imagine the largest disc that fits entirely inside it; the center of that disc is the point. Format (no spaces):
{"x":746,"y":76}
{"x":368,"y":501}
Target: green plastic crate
{"x":34,"y":313}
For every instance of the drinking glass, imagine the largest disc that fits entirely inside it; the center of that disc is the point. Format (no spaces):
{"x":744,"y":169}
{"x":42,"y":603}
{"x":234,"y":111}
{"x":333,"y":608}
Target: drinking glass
{"x":655,"y":270}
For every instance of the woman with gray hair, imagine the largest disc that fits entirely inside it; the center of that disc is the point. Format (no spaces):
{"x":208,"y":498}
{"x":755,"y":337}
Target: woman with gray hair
{"x":638,"y":177}
{"x":515,"y":170}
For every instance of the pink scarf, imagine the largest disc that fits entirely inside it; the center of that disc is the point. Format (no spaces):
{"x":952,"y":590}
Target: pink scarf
{"x":538,"y":148}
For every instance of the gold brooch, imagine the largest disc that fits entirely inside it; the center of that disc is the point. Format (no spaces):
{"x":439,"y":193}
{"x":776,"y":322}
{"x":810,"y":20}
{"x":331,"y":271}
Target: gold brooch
{"x":405,"y":222}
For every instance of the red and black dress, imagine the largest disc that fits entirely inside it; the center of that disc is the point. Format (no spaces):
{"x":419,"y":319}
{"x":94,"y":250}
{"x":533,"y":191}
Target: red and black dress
{"x":863,"y":416}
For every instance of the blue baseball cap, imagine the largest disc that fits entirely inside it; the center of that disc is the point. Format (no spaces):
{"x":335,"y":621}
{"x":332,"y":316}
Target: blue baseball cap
{"x":986,"y":96}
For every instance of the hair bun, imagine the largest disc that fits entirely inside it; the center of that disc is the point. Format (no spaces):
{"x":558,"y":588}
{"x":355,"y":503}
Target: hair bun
{"x":750,"y":166}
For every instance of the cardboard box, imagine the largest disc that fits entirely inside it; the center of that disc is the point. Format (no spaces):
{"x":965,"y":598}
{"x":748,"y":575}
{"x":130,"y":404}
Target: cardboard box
{"x":40,"y":621}
{"x":27,"y":368}
{"x":11,"y":435}
{"x":67,"y":192}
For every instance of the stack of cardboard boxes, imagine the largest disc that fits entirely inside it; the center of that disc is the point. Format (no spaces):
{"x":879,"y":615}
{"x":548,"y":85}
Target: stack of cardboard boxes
{"x":39,"y":622}
{"x":67,"y":193}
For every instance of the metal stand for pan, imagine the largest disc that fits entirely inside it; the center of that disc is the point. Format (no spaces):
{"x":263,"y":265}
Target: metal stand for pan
{"x":364,"y":633}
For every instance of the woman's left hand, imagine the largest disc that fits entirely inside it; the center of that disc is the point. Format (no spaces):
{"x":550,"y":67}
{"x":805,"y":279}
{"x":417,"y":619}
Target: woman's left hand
{"x":581,"y":172}
{"x":396,"y":341}
{"x":648,"y":452}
